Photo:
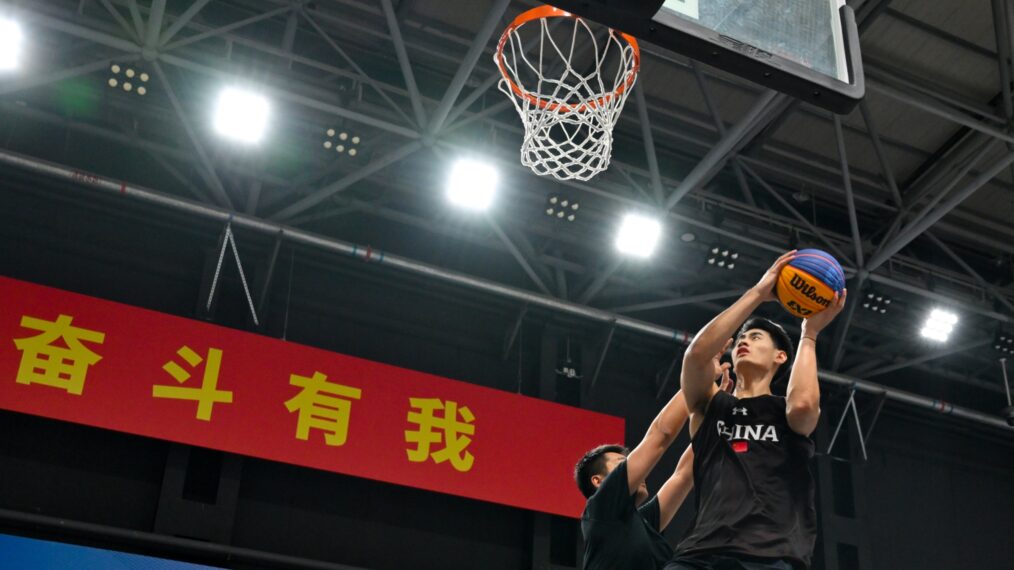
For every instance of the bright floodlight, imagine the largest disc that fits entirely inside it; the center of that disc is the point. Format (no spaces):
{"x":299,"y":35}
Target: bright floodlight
{"x":939,"y":325}
{"x":10,"y":44}
{"x":638,"y":235}
{"x":472,"y":184}
{"x":241,"y":115}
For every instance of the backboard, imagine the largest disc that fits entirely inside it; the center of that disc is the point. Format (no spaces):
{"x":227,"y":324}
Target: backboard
{"x":808,"y":49}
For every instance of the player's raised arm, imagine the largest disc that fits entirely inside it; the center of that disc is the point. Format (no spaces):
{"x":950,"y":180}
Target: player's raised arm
{"x":660,"y":435}
{"x":697,"y":372}
{"x":802,"y":397}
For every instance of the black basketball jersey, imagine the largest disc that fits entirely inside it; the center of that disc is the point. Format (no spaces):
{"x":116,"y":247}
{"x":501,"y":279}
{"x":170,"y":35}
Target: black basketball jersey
{"x":755,"y":492}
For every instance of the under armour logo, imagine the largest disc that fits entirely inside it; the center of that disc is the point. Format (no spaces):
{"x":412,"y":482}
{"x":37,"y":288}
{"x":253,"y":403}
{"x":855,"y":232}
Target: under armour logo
{"x":739,"y":411}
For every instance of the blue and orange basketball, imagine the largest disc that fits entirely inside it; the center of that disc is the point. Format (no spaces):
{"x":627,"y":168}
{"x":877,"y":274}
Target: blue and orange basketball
{"x":808,"y":283}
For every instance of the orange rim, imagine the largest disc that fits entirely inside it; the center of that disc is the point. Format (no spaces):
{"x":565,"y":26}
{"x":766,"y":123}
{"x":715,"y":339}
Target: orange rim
{"x":543,"y":12}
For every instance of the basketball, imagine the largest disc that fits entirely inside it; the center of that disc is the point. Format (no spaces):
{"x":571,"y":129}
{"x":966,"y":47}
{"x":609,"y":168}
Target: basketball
{"x":808,"y":283}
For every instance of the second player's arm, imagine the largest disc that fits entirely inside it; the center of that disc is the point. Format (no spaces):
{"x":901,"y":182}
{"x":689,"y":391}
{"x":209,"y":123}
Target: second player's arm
{"x":660,"y":435}
{"x":675,"y":490}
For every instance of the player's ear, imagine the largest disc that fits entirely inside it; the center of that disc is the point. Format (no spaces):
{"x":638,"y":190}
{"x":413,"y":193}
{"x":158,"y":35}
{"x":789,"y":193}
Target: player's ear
{"x":596,"y":480}
{"x":781,"y":357}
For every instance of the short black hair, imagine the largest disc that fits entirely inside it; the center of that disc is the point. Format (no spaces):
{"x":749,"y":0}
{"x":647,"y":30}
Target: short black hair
{"x":778,"y":335}
{"x":594,"y":463}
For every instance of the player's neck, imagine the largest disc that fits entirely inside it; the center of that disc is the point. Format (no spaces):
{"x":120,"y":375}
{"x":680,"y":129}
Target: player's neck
{"x":749,"y":386}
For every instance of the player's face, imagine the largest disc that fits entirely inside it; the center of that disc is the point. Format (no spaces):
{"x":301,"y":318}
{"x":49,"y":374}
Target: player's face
{"x":755,"y":349}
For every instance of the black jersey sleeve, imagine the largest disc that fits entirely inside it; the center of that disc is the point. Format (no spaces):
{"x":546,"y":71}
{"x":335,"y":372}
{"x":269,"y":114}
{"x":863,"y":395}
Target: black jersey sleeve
{"x":651,"y":511}
{"x":612,"y":500}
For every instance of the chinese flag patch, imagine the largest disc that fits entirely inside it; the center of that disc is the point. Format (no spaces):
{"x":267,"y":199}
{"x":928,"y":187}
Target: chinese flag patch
{"x":740,"y":446}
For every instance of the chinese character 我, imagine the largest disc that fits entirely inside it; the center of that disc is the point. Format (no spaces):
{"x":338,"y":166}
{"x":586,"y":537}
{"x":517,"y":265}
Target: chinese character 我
{"x":322,"y":405}
{"x":445,"y":429}
{"x":49,"y":364}
{"x":208,"y":394}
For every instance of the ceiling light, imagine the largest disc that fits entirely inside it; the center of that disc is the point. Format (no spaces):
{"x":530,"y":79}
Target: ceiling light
{"x":472,"y":184}
{"x":10,"y":45}
{"x":241,"y":115}
{"x":688,"y":237}
{"x":939,"y":325}
{"x":638,"y":235}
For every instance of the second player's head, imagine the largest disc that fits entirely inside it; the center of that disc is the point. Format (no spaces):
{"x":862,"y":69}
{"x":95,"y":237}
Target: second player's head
{"x":593,"y":468}
{"x":761,"y":350}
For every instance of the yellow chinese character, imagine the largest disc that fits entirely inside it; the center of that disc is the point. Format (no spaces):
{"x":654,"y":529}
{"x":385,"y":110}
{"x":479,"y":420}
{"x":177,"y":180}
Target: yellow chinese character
{"x":65,"y":366}
{"x":455,"y":433}
{"x":321,"y":406}
{"x":208,"y":394}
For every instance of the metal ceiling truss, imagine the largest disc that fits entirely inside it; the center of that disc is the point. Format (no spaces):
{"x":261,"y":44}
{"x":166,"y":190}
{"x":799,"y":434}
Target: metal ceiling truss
{"x":414,"y":121}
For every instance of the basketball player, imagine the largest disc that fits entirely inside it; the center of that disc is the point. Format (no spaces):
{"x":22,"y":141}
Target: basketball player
{"x":621,"y":527}
{"x":755,"y":507}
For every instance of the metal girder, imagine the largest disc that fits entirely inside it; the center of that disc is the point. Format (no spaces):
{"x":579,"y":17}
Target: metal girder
{"x":802,"y":219}
{"x":716,"y":117}
{"x":216,"y":32}
{"x":324,"y":193}
{"x":998,"y":295}
{"x":155,"y":15}
{"x":878,"y":149}
{"x":842,"y":328}
{"x":857,"y":238}
{"x":135,"y":15}
{"x":934,"y":355}
{"x":951,"y":301}
{"x":406,"y":65}
{"x":734,"y":139}
{"x":942,"y":34}
{"x":600,"y":281}
{"x":649,"y":143}
{"x":184,"y":19}
{"x":929,"y":217}
{"x":477,"y":48}
{"x":678,"y":301}
{"x":513,"y":249}
{"x":352,"y":63}
{"x":131,"y":32}
{"x":940,"y":110}
{"x":208,"y":170}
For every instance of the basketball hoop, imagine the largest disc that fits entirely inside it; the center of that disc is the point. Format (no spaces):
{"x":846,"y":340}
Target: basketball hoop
{"x":568,"y":114}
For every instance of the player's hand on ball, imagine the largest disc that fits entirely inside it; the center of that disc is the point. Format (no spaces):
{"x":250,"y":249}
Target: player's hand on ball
{"x":813,"y":325}
{"x":766,"y":286}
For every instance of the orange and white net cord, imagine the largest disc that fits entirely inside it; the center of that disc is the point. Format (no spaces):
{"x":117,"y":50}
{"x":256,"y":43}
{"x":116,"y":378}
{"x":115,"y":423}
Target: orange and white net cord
{"x":568,"y":115}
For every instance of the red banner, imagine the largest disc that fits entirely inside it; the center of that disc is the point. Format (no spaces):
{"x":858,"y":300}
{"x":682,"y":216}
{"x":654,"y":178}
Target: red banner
{"x":80,"y":359}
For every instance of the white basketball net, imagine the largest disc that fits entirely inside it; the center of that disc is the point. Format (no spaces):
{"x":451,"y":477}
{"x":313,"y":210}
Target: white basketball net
{"x":568,"y":114}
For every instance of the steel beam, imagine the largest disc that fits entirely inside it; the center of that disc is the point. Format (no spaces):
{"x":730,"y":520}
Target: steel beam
{"x":679,"y":301}
{"x":716,"y":117}
{"x":649,"y":143}
{"x":208,"y":170}
{"x":324,"y":193}
{"x":366,"y":77}
{"x":516,"y":253}
{"x":131,"y":32}
{"x":857,"y":238}
{"x":405,"y":63}
{"x":600,"y":281}
{"x":878,"y":148}
{"x":184,"y":19}
{"x":155,"y":15}
{"x":933,"y":355}
{"x":477,"y":48}
{"x":135,"y":15}
{"x":928,"y":218}
{"x":216,"y":32}
{"x":997,"y":294}
{"x":842,"y":329}
{"x":726,"y":147}
{"x":937,"y":109}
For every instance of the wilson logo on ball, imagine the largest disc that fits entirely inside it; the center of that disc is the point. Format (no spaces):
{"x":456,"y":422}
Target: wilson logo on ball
{"x":807,"y":285}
